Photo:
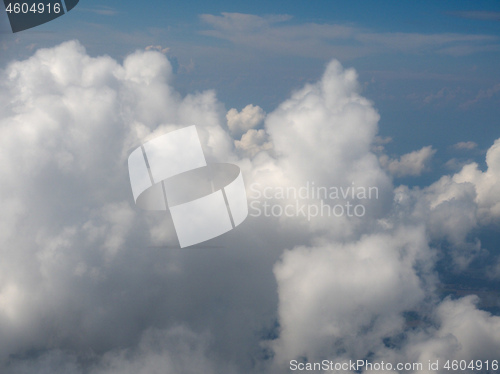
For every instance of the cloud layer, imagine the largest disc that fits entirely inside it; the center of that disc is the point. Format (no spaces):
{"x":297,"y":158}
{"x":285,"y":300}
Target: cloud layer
{"x":91,"y":284}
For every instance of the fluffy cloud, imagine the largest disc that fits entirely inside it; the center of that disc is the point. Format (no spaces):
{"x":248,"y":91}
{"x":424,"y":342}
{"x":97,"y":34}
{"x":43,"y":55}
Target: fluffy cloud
{"x":470,"y":196}
{"x":82,"y":267}
{"x":250,"y":117}
{"x":88,"y":283}
{"x":463,"y":333}
{"x":334,"y":126}
{"x":413,"y":163}
{"x":486,"y":184}
{"x":350,"y":296}
{"x":455,"y":205}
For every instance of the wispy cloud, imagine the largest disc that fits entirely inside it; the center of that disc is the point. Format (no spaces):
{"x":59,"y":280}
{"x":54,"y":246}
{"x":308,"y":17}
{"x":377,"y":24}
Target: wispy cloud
{"x":478,"y":14}
{"x":416,"y":41}
{"x":277,"y":34}
{"x":101,"y":10}
{"x":482,"y":95}
{"x":465,"y":145}
{"x":445,"y":94}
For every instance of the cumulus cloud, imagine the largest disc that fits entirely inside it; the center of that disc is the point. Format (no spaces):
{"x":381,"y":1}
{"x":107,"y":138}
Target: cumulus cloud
{"x":413,"y":163}
{"x":486,"y":184}
{"x":250,"y":117}
{"x":464,"y":333}
{"x":348,"y":296}
{"x":80,"y":264}
{"x":253,"y":141}
{"x":457,"y":204}
{"x":90,"y":284}
{"x":482,"y":95}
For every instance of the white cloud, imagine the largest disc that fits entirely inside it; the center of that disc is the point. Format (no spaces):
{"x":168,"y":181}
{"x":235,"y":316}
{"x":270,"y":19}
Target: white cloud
{"x":250,"y":117}
{"x":486,"y":184}
{"x":338,"y":296}
{"x":413,"y":163}
{"x":464,"y":333}
{"x":455,"y":205}
{"x":348,"y":297}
